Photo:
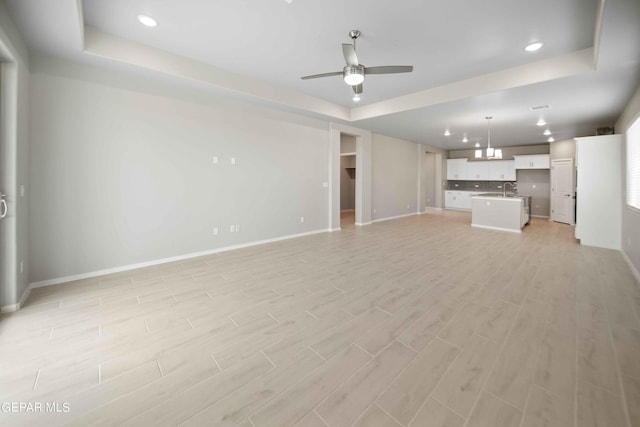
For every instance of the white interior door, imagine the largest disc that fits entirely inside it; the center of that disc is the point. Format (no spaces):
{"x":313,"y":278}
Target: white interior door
{"x":562,"y":191}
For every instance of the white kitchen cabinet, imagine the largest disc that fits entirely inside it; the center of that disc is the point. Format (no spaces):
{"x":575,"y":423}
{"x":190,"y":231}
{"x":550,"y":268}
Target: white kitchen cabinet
{"x":465,"y":199}
{"x":457,"y":169}
{"x":536,"y":161}
{"x":478,"y":171}
{"x":457,"y":199}
{"x":450,"y":199}
{"x":502,"y":170}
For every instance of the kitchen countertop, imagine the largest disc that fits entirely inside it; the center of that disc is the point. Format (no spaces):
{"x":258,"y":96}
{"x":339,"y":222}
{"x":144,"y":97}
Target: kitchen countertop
{"x":500,"y":196}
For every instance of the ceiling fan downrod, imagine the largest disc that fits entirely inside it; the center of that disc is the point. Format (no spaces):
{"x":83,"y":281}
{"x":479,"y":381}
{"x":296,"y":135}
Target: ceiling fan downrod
{"x":354,"y":34}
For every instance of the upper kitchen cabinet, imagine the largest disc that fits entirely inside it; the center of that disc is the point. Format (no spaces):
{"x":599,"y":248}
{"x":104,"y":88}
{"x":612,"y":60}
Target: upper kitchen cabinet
{"x":537,"y":161}
{"x":478,"y":171}
{"x":502,"y":170}
{"x":457,"y":169}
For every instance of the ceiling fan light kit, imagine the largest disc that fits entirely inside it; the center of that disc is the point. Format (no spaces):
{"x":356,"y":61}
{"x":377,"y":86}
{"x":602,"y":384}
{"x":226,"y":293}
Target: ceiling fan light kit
{"x":354,"y":73}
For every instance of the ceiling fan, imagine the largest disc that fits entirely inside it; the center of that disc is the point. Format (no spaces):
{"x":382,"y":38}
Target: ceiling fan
{"x":354,"y":72}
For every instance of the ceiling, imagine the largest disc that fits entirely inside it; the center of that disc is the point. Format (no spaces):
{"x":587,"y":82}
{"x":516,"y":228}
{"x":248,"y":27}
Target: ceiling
{"x":468,"y":58}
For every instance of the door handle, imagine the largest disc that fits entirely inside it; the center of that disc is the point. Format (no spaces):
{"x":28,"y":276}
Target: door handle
{"x":4,"y":209}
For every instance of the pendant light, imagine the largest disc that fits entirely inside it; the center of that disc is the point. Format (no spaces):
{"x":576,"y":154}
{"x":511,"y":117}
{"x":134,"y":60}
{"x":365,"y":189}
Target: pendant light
{"x":491,"y":152}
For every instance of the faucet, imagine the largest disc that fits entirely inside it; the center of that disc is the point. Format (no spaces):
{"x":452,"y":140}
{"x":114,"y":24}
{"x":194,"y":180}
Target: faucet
{"x":504,"y":188}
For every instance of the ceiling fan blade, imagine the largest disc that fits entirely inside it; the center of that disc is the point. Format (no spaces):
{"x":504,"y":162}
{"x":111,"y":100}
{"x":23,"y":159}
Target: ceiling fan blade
{"x":349,"y":53}
{"x":317,"y":76}
{"x":357,"y":89}
{"x":389,"y":69}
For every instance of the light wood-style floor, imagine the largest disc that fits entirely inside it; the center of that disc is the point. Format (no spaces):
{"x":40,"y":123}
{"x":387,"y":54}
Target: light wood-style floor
{"x":347,"y":219}
{"x":420,"y":321}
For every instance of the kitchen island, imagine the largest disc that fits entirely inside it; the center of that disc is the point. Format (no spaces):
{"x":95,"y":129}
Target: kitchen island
{"x":497,"y":211}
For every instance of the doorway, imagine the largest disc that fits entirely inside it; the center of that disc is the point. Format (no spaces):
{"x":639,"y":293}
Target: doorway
{"x":430,"y":184}
{"x":563,"y":191}
{"x":363,"y":175}
{"x":430,"y":181}
{"x":347,"y":181}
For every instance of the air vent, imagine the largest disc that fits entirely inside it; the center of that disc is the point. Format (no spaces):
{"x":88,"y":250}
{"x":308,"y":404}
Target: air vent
{"x":604,"y":131}
{"x":540,"y":107}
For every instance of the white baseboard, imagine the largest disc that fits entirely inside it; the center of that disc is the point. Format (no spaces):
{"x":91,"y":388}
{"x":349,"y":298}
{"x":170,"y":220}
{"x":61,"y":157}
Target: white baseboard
{"x":331,"y":230}
{"x":362,"y":224}
{"x":431,"y":208}
{"x":496,"y":228}
{"x":458,"y":209}
{"x":15,"y":307}
{"x":394,"y":217}
{"x":635,"y":272}
{"x":540,"y":216}
{"x":89,"y":275}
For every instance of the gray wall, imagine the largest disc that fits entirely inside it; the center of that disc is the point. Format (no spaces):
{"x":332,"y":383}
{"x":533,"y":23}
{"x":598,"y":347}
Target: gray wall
{"x":395,"y":176}
{"x":123,"y":176}
{"x":630,"y":217}
{"x":565,"y":149}
{"x":347,"y":143}
{"x":536,"y":183}
{"x":347,"y":183}
{"x":14,"y":161}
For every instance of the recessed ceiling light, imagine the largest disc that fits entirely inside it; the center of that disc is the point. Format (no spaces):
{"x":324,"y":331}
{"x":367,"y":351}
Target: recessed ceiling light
{"x":477,"y":144}
{"x":356,"y":98}
{"x":551,"y":139}
{"x":465,"y":140}
{"x":547,"y":132}
{"x":533,"y":46}
{"x":541,"y":122}
{"x":446,"y":132}
{"x":147,"y":21}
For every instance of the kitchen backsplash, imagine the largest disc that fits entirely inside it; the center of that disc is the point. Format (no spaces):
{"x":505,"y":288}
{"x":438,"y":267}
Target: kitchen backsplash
{"x":534,"y":183}
{"x":475,"y":185}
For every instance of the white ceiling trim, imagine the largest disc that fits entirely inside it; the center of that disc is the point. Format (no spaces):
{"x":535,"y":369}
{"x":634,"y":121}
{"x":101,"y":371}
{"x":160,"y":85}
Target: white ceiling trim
{"x":122,"y":50}
{"x":597,"y":35}
{"x":537,"y":72}
{"x":95,"y":42}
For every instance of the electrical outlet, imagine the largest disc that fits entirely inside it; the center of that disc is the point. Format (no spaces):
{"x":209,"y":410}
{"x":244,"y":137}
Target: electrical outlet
{"x":428,"y":199}
{"x":301,"y":219}
{"x":215,"y":231}
{"x":325,"y":185}
{"x":215,"y":160}
{"x":237,"y":228}
{"x":375,"y":210}
{"x":233,"y":160}
{"x":232,"y":229}
{"x":407,"y":206}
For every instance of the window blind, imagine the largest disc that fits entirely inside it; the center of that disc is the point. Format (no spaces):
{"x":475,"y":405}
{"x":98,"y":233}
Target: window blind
{"x":633,"y":165}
